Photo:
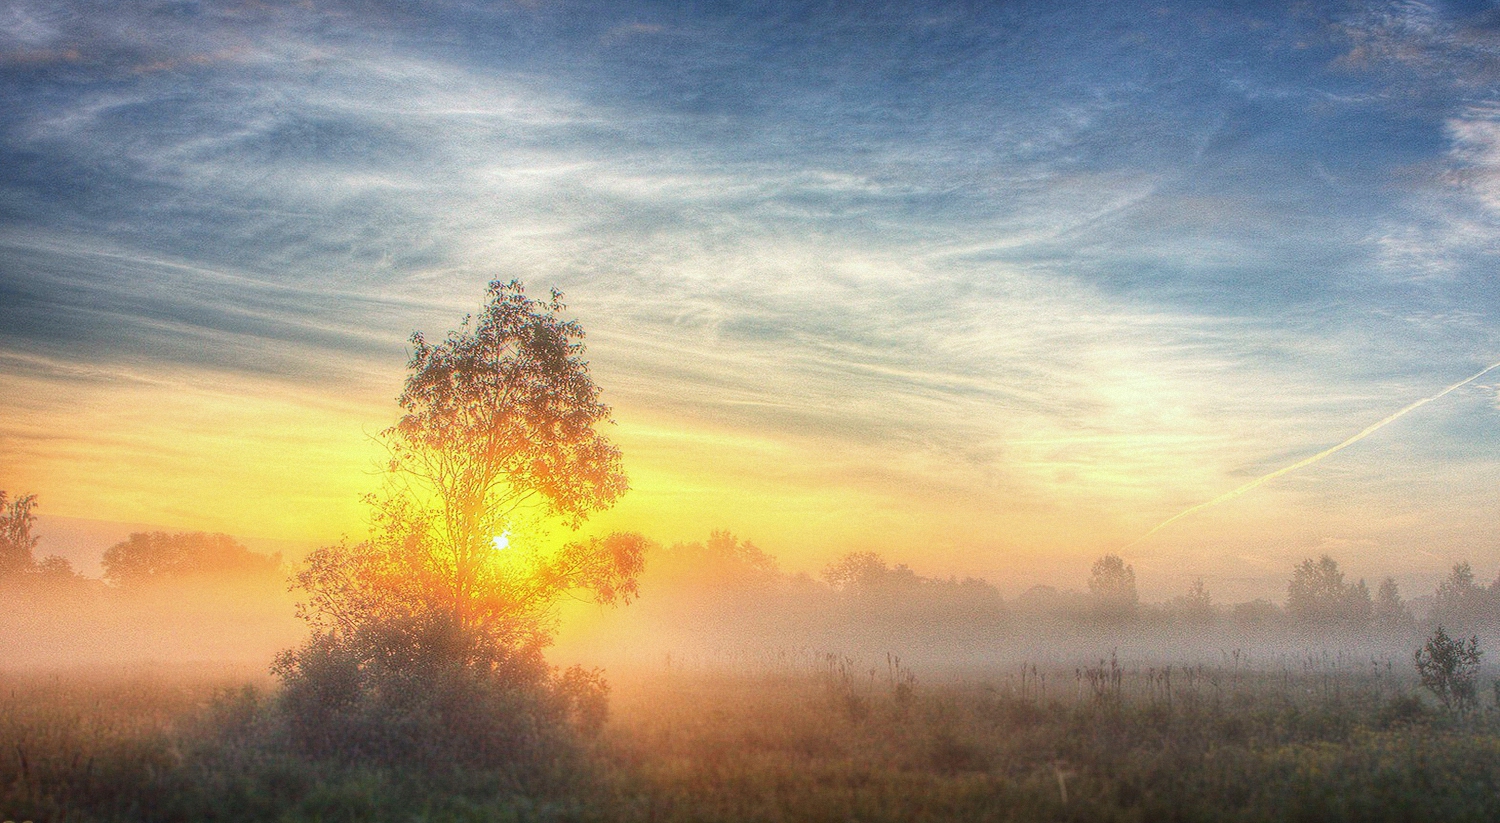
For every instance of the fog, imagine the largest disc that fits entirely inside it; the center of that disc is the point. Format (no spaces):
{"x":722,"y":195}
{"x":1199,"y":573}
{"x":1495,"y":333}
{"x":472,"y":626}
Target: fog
{"x":161,"y":600}
{"x":212,"y":622}
{"x":723,"y":604}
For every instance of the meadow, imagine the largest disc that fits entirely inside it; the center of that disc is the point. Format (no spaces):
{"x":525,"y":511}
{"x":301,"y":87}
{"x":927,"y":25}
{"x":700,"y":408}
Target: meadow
{"x":1314,"y":736}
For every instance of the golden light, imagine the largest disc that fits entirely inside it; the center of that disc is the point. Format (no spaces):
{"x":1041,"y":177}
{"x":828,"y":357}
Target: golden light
{"x":502,"y":540}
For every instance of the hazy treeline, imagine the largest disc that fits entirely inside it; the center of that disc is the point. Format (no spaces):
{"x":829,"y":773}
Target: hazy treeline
{"x":204,"y":596}
{"x":163,"y":596}
{"x":726,"y":601}
{"x":140,"y":560}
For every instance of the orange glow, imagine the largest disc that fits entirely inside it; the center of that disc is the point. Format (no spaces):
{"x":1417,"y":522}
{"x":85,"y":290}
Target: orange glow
{"x":195,"y":452}
{"x":256,"y":458}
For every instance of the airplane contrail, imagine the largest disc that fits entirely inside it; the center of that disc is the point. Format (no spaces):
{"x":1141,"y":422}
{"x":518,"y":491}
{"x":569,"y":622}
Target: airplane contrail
{"x":1368,"y":430}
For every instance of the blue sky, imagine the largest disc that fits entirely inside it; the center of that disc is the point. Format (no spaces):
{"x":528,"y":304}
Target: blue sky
{"x":989,"y":288}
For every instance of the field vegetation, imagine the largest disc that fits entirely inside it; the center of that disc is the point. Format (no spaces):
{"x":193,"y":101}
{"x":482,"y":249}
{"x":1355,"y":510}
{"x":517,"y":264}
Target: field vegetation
{"x":827,"y":738}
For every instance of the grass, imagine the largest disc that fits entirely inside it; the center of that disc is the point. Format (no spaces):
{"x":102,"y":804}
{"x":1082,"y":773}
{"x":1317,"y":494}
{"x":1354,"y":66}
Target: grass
{"x":1231,"y":745}
{"x":86,"y":745}
{"x":1294,"y":739}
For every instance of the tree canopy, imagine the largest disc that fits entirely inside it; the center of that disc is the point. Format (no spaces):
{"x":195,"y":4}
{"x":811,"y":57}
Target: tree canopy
{"x":500,"y":428}
{"x":1462,"y":602}
{"x":502,"y":414}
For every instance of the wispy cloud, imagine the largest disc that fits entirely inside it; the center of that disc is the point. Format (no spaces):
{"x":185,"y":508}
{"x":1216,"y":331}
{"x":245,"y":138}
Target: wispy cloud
{"x":1025,"y":255}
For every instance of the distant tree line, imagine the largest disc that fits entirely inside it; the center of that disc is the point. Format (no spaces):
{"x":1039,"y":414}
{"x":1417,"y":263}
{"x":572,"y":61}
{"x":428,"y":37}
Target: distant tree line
{"x":732,"y":576}
{"x":735,"y":580}
{"x":147,"y":557}
{"x":1319,"y":597}
{"x":141,"y":559}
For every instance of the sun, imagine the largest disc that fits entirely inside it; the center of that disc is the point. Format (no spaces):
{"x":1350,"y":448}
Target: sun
{"x":502,"y":540}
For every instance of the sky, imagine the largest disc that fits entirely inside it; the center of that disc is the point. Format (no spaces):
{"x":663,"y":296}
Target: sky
{"x":992,"y":289}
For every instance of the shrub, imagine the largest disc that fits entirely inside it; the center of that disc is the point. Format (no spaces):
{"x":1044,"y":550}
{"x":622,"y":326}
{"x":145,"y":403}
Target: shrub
{"x":1448,"y":668}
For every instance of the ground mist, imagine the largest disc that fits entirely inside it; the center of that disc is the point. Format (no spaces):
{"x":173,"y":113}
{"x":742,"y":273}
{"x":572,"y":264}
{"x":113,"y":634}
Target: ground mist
{"x":1315,"y":737}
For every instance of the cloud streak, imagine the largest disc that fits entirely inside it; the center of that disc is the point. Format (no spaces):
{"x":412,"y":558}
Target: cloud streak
{"x":1308,"y":461}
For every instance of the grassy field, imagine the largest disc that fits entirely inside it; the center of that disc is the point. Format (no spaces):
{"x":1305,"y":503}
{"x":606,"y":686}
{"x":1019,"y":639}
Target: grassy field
{"x":1314,"y":738}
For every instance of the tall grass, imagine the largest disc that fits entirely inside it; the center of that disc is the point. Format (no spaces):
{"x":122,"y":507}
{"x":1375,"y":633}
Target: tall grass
{"x":1311,"y":737}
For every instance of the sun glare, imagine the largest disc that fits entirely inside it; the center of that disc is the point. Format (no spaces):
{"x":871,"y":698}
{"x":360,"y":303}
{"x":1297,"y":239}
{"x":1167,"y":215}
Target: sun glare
{"x":502,"y":540}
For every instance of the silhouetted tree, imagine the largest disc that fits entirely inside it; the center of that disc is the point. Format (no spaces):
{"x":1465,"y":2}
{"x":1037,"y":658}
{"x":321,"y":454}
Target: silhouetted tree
{"x":16,"y":539}
{"x":1391,"y":613}
{"x":1112,"y":584}
{"x":56,"y":569}
{"x":17,"y":547}
{"x":721,"y":564}
{"x":1359,"y":607}
{"x":1317,"y":596}
{"x":1197,"y":606}
{"x":155,"y":556}
{"x":868,"y":573}
{"x":443,"y":602}
{"x":1460,"y":602}
{"x":853,"y":569}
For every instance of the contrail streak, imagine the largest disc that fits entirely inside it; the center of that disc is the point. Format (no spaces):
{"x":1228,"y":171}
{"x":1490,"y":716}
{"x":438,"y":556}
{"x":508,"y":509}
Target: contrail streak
{"x":1368,"y":430}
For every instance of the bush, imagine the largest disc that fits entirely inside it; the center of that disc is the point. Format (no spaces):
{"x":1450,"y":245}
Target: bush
{"x":1403,"y":709}
{"x":1448,"y":668}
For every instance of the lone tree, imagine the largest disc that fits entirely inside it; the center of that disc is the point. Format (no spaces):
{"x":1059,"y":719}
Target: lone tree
{"x":443,"y":611}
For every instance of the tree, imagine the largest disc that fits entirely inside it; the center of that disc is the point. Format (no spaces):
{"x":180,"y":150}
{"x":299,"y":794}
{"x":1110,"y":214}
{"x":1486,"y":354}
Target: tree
{"x":55,"y":569}
{"x":867,"y":573}
{"x":1358,"y":609}
{"x":156,"y":556}
{"x":451,"y":598}
{"x":500,"y":423}
{"x":1391,"y":612}
{"x":1448,"y":668}
{"x":1112,"y":584}
{"x":1317,"y":596}
{"x":1197,"y":606}
{"x":16,"y":539}
{"x":1461,"y":602}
